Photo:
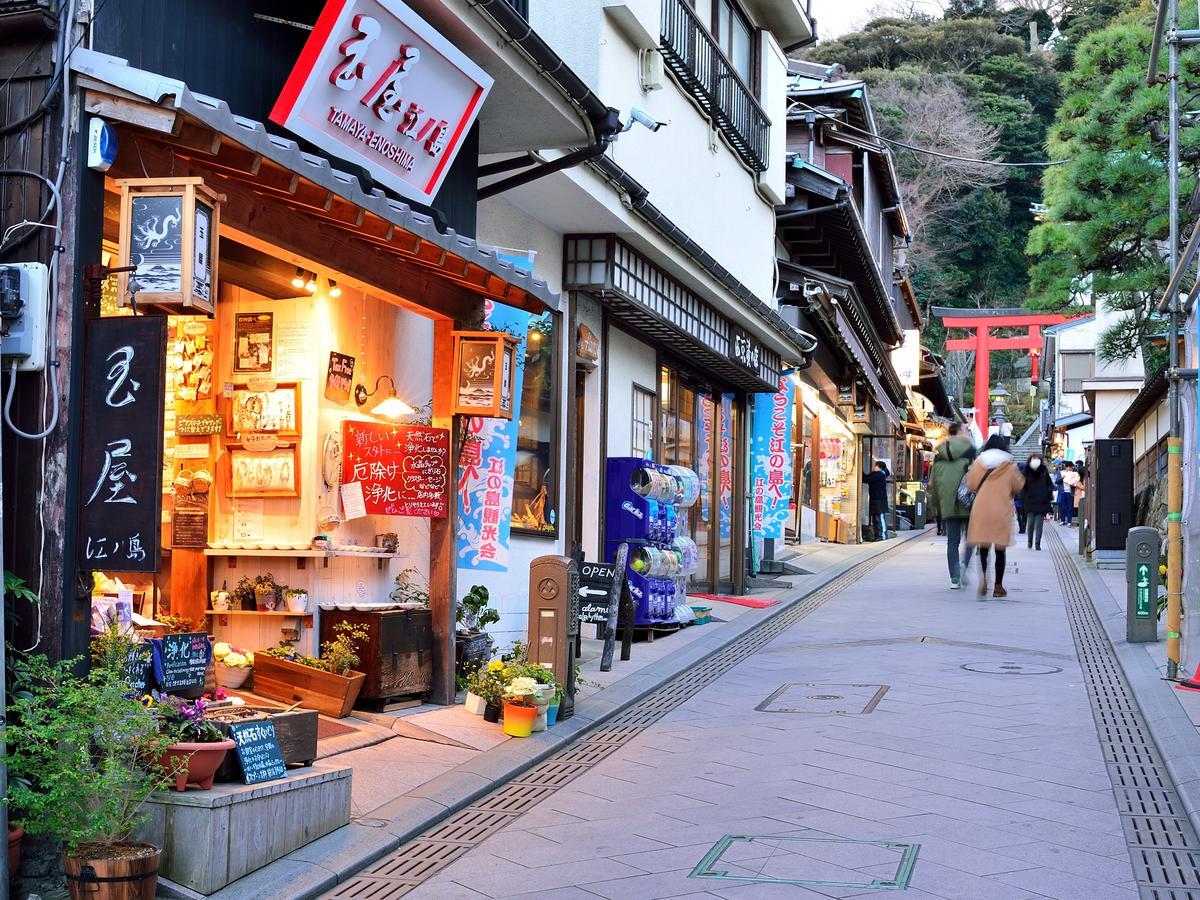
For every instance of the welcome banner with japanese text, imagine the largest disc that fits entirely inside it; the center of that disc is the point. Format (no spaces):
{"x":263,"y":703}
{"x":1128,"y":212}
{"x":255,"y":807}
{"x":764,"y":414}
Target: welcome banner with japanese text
{"x":771,"y":450}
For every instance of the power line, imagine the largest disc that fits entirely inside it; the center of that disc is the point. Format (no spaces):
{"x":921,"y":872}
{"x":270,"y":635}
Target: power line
{"x":926,"y":150}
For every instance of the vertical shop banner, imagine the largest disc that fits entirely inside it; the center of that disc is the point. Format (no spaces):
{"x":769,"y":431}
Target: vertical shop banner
{"x":704,"y":448}
{"x":487,"y":462}
{"x":772,"y":459}
{"x":120,"y":502}
{"x":725,"y":488}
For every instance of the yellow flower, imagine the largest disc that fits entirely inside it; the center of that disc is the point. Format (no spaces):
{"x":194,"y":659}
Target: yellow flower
{"x":221,"y":649}
{"x":235,"y":660}
{"x":496,"y":666}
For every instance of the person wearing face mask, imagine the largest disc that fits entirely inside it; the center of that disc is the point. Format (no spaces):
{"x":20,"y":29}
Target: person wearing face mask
{"x":1037,"y":499}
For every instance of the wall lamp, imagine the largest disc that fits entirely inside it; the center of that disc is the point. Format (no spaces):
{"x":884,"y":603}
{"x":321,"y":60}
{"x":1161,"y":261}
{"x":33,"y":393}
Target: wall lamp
{"x":390,"y":407}
{"x":305,"y":281}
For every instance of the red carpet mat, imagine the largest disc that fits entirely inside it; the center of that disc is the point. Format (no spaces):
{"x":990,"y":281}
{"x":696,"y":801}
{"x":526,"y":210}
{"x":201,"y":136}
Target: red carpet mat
{"x":752,"y":602}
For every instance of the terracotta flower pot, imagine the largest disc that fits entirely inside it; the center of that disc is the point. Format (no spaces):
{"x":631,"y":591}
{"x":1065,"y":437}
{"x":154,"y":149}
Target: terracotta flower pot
{"x":15,"y":833}
{"x":195,"y":763}
{"x":113,"y":872}
{"x":518,"y":720}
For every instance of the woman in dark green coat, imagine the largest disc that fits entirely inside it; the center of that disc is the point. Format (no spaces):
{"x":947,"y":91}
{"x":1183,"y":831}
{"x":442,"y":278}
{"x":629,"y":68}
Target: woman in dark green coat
{"x":953,"y":458}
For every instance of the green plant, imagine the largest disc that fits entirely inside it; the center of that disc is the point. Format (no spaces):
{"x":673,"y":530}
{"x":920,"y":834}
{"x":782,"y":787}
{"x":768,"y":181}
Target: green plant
{"x":341,"y":655}
{"x":16,"y":588}
{"x":81,"y":751}
{"x":411,"y":587}
{"x":180,"y":624}
{"x":473,"y":613}
{"x":245,"y":592}
{"x":488,"y":681}
{"x":183,"y":720}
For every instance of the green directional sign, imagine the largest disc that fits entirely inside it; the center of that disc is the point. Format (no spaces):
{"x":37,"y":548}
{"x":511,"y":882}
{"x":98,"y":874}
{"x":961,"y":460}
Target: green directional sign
{"x":1142,"y":608}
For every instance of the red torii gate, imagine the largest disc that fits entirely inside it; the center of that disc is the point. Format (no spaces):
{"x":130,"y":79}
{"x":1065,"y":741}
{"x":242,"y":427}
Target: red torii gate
{"x":983,"y":343}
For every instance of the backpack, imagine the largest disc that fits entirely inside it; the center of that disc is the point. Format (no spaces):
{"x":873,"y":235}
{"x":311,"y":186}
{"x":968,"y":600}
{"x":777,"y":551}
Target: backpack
{"x":965,"y":495}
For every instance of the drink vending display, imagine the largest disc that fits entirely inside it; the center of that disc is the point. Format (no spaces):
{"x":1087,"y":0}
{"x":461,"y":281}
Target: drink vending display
{"x":644,"y":506}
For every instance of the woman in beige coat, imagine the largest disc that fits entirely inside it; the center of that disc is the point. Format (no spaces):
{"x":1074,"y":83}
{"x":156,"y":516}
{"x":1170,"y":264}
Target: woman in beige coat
{"x":996,"y":480}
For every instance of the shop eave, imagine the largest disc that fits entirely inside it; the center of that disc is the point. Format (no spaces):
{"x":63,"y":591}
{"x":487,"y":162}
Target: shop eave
{"x":202,"y":130}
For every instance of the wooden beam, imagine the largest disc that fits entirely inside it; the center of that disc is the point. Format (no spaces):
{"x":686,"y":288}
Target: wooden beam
{"x":443,"y":569}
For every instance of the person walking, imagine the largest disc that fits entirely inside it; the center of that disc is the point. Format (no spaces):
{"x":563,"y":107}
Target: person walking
{"x":876,"y":481}
{"x":1037,"y":497}
{"x":1066,"y":493}
{"x":995,"y":480}
{"x":1019,"y":504}
{"x":950,"y":464}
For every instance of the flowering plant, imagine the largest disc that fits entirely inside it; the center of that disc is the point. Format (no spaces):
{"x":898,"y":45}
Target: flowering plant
{"x":234,"y":657}
{"x":182,"y":720}
{"x":488,"y":681}
{"x":521,"y":691}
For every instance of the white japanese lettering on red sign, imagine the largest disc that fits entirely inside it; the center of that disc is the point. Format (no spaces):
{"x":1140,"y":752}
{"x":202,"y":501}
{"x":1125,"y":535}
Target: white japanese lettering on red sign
{"x":377,"y":85}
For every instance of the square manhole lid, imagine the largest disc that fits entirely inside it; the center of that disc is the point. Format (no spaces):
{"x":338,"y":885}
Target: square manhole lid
{"x":819,"y":698}
{"x":809,"y":862}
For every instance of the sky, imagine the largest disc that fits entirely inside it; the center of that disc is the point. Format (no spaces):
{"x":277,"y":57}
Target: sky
{"x":837,"y":17}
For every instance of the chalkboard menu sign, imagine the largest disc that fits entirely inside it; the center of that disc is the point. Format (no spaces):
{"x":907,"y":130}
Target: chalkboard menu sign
{"x":139,"y":668}
{"x":404,"y":470}
{"x":183,"y":659}
{"x":121,"y":466}
{"x":258,"y":750}
{"x":595,"y":582}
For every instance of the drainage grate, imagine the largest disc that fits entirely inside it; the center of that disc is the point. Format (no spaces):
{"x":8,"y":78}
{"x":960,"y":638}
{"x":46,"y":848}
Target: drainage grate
{"x":1163,"y":847}
{"x":419,"y":860}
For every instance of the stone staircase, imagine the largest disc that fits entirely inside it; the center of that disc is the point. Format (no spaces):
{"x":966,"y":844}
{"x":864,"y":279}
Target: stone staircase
{"x":1028,"y":444}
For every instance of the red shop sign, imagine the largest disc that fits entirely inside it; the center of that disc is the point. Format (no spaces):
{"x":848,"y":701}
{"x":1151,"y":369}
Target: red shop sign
{"x":404,"y":470}
{"x":377,"y":85}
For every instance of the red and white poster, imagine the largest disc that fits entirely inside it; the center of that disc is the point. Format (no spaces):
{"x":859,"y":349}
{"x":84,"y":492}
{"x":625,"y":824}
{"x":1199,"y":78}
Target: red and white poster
{"x":377,"y":85}
{"x":402,"y":470}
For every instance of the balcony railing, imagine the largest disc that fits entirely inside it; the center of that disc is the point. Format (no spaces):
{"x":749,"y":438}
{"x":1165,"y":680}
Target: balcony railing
{"x":703,"y":70}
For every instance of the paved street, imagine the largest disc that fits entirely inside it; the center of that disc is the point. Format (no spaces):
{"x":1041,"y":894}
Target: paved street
{"x":994,"y":782}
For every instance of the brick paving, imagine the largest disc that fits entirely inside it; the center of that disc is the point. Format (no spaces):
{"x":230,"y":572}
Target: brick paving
{"x":998,"y":778}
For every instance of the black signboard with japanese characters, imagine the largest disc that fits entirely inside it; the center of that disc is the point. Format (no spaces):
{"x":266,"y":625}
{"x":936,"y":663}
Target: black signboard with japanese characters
{"x":258,"y":750}
{"x":139,"y":668}
{"x":595,"y":581}
{"x":121,"y":467}
{"x":744,"y":350}
{"x":183,"y":660}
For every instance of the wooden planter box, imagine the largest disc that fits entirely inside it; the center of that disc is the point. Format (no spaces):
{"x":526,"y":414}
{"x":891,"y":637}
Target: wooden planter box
{"x":297,"y":732}
{"x":290,"y":682}
{"x":397,"y":655}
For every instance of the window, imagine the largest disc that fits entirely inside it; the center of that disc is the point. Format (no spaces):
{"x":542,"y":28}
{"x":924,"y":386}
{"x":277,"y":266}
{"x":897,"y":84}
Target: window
{"x":735,"y":37}
{"x":642,"y":435}
{"x":535,"y":479}
{"x":1075,"y":368}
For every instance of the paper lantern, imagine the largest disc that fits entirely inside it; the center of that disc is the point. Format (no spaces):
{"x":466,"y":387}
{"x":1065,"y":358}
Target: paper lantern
{"x":484,"y":366}
{"x":169,"y":229}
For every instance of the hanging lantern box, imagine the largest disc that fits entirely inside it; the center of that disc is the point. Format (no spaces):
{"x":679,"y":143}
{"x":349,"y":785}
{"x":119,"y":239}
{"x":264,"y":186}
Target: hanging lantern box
{"x":169,"y":229}
{"x":484,"y":366}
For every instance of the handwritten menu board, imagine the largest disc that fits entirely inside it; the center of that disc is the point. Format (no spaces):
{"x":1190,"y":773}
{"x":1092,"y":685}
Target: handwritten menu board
{"x":139,"y":668}
{"x":404,"y":470}
{"x":120,"y":493}
{"x":183,"y":660}
{"x":258,"y":751}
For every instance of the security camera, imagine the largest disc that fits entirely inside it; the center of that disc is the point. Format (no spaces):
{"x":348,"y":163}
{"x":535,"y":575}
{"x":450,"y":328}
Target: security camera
{"x":643,"y":118}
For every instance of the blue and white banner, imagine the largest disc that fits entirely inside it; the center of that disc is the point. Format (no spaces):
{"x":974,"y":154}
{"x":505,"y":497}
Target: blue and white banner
{"x":487,"y":462}
{"x":771,"y":452}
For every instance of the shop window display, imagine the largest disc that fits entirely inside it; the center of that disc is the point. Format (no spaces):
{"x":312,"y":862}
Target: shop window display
{"x":535,"y":480}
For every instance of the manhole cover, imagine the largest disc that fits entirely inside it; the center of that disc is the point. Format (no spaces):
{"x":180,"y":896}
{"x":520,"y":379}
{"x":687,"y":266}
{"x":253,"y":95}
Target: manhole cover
{"x":812,"y":862}
{"x":1011,"y":668}
{"x":816,"y":698}
{"x":1028,"y":590}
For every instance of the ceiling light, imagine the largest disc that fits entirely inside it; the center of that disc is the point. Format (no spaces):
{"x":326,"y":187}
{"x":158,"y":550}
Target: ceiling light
{"x":334,"y":290}
{"x":298,"y":278}
{"x":311,"y":284}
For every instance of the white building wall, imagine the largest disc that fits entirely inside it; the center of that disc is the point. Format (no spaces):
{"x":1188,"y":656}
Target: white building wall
{"x":630,"y":362}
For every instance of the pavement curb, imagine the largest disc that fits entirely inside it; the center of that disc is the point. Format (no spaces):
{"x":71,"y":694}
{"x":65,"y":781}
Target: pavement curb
{"x":322,"y":865}
{"x":1170,"y":728}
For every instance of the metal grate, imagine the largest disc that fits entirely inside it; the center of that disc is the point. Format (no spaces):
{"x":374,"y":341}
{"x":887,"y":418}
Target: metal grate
{"x":1163,"y":846}
{"x":419,"y":860}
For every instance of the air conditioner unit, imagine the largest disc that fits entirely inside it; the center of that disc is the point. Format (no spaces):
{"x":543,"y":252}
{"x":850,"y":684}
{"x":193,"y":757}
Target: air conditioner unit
{"x":650,"y":70}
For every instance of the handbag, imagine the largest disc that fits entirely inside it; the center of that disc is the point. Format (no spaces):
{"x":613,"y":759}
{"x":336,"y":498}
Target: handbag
{"x":965,"y":495}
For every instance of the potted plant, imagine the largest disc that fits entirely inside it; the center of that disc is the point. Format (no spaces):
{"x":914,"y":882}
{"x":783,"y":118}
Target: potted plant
{"x":180,"y":625}
{"x":472,"y":617}
{"x":328,"y":684}
{"x":520,"y":707}
{"x":197,"y":747}
{"x":486,"y":686}
{"x":234,"y":665}
{"x":260,"y":593}
{"x":81,"y":756}
{"x":296,"y":600}
{"x":552,"y":710}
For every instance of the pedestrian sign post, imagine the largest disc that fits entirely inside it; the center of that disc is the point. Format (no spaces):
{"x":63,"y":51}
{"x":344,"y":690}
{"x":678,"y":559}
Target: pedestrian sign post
{"x":1141,"y":579}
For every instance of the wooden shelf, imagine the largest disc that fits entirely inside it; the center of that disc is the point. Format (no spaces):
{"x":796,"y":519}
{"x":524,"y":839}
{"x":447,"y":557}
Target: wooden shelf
{"x":302,"y":555}
{"x":255,"y":612}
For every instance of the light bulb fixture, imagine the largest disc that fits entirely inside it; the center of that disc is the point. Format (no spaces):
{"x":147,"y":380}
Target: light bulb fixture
{"x":311,"y":284}
{"x":390,"y":406}
{"x":334,"y":290}
{"x":298,"y":279}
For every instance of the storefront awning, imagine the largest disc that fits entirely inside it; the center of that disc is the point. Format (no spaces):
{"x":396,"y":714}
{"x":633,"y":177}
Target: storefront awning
{"x":1075,"y":420}
{"x":868,"y":369}
{"x":201,"y":131}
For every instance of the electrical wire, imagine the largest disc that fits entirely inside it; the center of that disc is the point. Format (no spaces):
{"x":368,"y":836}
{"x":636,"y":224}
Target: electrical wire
{"x":915,"y":149}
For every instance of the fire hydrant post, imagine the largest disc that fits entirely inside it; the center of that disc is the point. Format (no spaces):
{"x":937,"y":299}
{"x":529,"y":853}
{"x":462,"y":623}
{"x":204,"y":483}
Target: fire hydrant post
{"x":1141,"y":581}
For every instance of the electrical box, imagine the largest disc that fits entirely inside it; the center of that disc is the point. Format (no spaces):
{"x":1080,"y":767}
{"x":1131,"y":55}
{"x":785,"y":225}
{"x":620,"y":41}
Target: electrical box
{"x":24,"y":301}
{"x":651,"y":68}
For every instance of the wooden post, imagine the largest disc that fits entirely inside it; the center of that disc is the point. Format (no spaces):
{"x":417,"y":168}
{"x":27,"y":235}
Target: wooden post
{"x":614,"y":599}
{"x":442,"y":563}
{"x":629,"y":613}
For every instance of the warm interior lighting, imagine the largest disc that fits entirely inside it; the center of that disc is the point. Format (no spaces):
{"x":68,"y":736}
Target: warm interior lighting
{"x":392,"y":408}
{"x":311,"y":284}
{"x":535,"y":336}
{"x":298,"y":278}
{"x":334,"y":290}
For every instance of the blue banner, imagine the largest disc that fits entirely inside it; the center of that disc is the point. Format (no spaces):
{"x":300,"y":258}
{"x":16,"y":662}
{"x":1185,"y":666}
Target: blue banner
{"x":771,"y":460}
{"x":487,"y":462}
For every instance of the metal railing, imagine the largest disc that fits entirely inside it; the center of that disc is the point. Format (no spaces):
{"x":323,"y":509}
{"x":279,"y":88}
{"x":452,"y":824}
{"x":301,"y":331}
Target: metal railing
{"x":696,"y":60}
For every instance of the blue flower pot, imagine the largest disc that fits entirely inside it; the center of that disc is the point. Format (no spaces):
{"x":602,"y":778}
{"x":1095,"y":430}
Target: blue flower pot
{"x":552,"y":714}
